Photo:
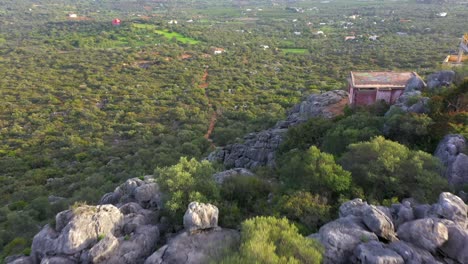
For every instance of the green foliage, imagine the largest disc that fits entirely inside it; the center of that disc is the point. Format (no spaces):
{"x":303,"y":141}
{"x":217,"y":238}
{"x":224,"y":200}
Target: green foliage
{"x":385,"y":169}
{"x":185,"y":182}
{"x":249,"y":193}
{"x":352,"y":129}
{"x":310,"y":210}
{"x":305,"y":135}
{"x":271,"y":240}
{"x":410,"y":129}
{"x":314,"y":171}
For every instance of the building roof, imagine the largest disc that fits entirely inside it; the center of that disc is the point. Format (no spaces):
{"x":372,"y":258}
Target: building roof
{"x":381,"y":79}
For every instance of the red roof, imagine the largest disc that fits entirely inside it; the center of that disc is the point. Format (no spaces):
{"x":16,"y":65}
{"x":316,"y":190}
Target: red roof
{"x":381,"y":79}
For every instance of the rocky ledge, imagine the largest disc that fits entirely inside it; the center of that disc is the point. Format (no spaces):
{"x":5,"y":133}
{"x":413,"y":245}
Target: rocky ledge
{"x":402,"y":233}
{"x":259,"y":148}
{"x":126,"y":229}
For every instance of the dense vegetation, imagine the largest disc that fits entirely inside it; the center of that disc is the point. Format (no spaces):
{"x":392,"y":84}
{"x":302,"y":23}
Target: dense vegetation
{"x":86,"y":105}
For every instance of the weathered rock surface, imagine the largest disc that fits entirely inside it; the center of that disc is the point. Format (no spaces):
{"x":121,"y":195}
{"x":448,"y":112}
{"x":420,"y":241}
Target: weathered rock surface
{"x":450,"y":152}
{"x":259,"y":148}
{"x":220,"y":177}
{"x":196,"y":248}
{"x":440,"y":79}
{"x":200,"y":216}
{"x":125,"y":233}
{"x":428,"y":234}
{"x":411,"y":102}
{"x":415,"y":84}
{"x":341,"y":237}
{"x":412,"y":254}
{"x":375,"y":252}
{"x":144,"y":191}
{"x":379,"y":223}
{"x":435,"y":233}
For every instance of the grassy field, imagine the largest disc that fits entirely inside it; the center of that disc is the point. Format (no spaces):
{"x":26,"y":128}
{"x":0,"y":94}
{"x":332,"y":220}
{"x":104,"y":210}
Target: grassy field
{"x":295,"y":51}
{"x":167,"y":34}
{"x":177,"y":36}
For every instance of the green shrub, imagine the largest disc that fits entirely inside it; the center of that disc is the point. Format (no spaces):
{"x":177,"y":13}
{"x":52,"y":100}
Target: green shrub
{"x":271,"y":240}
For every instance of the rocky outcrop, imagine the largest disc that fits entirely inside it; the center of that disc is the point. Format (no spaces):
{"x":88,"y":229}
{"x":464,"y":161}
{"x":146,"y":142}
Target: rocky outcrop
{"x":126,"y":232}
{"x":201,"y":247}
{"x":200,"y":216}
{"x":440,"y":79}
{"x":259,"y":148}
{"x":220,"y":177}
{"x":143,"y":191}
{"x":451,"y":152}
{"x":425,"y":233}
{"x":410,"y":102}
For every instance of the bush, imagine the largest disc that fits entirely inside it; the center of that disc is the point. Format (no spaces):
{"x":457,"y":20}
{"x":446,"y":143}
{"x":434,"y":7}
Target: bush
{"x":185,"y":182}
{"x":310,"y":210}
{"x":271,"y":240}
{"x":385,"y":169}
{"x":315,"y":172}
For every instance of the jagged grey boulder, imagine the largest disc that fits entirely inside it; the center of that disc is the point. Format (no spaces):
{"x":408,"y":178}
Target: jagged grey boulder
{"x":412,"y":254}
{"x":355,"y":207}
{"x":379,"y":223}
{"x":85,"y":226}
{"x":427,"y":233}
{"x":451,"y":207}
{"x":200,"y":216}
{"x":410,"y":102}
{"x":457,"y":245}
{"x":259,"y":148}
{"x":220,"y":177}
{"x":144,"y":191}
{"x":18,"y":260}
{"x":440,"y":79}
{"x":402,"y":213}
{"x":103,"y":249}
{"x":201,"y":247}
{"x":341,"y":237}
{"x":450,"y":152}
{"x":415,"y":84}
{"x":375,"y":252}
{"x":57,"y":260}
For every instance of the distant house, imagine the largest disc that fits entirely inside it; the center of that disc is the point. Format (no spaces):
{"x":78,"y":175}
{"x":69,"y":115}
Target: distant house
{"x":366,"y":88}
{"x":72,"y":15}
{"x":217,"y":51}
{"x":349,"y":38}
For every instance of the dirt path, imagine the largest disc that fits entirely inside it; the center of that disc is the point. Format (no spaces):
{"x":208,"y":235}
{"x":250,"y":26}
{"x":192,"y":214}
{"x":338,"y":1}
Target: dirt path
{"x":214,"y":115}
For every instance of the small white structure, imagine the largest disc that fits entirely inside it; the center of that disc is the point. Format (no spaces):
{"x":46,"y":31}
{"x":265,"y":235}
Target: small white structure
{"x":265,"y":47}
{"x":297,"y":33}
{"x":442,"y":14}
{"x":72,"y":15}
{"x":373,"y":37}
{"x":172,"y":22}
{"x":217,"y":51}
{"x":190,"y":21}
{"x":349,"y":38}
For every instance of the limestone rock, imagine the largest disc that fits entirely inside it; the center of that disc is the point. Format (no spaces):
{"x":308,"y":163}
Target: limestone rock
{"x":412,"y":254}
{"x":453,"y":208}
{"x":57,"y":260}
{"x":355,"y":207}
{"x":375,"y":252}
{"x":200,"y":216}
{"x":410,"y":102}
{"x":402,"y":213}
{"x":220,"y":177}
{"x":415,"y":84}
{"x":18,"y":260}
{"x":144,"y":191}
{"x":85,"y":225}
{"x":440,"y":79}
{"x":103,"y":249}
{"x":457,"y":245}
{"x":259,"y":148}
{"x":427,"y":233}
{"x":201,"y":247}
{"x":379,"y":223}
{"x":341,"y":237}
{"x":450,"y":153}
